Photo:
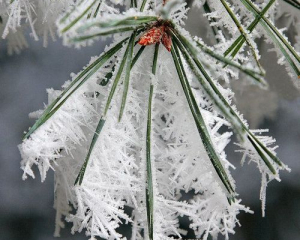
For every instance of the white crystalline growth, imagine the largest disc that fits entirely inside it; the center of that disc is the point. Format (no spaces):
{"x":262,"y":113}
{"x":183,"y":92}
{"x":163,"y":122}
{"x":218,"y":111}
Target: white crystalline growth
{"x":115,"y":177}
{"x":115,"y":186}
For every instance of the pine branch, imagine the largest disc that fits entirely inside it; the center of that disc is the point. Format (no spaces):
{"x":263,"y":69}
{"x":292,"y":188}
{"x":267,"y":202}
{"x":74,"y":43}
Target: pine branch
{"x":100,"y":200}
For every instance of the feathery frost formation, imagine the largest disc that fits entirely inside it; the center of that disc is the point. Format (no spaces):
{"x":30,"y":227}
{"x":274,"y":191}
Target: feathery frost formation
{"x":148,"y":119}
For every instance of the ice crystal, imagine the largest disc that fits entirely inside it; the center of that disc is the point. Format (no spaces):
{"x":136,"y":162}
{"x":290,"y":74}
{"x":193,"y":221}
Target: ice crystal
{"x":141,"y":125}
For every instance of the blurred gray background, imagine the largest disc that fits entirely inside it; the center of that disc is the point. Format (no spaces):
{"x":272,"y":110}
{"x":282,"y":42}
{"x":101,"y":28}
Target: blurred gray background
{"x":26,"y":206}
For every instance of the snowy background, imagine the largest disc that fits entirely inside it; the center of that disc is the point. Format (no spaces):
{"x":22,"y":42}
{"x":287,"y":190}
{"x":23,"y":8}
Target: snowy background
{"x":26,"y":206}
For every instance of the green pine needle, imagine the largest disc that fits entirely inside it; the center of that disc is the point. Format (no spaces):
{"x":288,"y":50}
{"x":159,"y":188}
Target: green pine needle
{"x":143,"y":5}
{"x":293,"y":3}
{"x":117,"y":78}
{"x":80,"y":176}
{"x":252,"y":73}
{"x":125,"y":22}
{"x":238,"y":43}
{"x":96,"y":11}
{"x":127,"y":75}
{"x":200,"y":123}
{"x":79,"y":17}
{"x":137,"y":55}
{"x":149,"y":188}
{"x":275,"y":35}
{"x":68,"y":14}
{"x":75,"y":84}
{"x":207,"y":83}
{"x":243,"y":33}
{"x":221,"y":103}
{"x":103,"y":33}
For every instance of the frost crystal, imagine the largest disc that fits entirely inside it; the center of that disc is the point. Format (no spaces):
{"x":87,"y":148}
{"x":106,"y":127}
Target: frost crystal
{"x":142,"y":125}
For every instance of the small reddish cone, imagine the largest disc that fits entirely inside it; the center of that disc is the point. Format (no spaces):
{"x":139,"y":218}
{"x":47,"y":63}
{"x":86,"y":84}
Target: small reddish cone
{"x":156,"y":35}
{"x":167,"y":41}
{"x":152,"y":36}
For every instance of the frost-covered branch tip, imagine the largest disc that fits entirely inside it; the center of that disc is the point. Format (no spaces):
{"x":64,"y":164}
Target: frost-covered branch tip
{"x":143,"y":121}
